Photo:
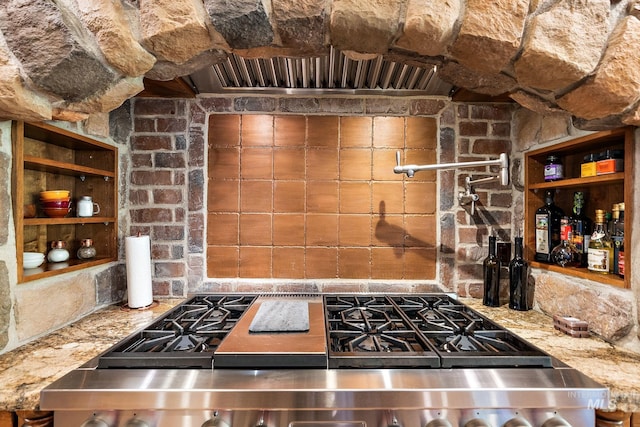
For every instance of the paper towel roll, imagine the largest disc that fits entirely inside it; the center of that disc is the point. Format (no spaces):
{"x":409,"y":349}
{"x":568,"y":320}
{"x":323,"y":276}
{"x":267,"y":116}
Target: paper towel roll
{"x":138,"y":257}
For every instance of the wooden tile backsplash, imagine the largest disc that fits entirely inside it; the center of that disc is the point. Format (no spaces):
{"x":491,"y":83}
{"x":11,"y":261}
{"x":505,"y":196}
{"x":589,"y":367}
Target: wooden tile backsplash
{"x":316,"y":197}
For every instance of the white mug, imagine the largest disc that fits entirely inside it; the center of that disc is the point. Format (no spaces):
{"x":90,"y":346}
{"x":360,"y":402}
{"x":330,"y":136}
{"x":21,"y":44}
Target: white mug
{"x":86,"y":207}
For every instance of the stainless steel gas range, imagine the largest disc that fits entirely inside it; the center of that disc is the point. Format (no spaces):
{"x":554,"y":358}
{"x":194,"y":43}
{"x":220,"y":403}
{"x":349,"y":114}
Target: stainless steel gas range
{"x":334,"y":360}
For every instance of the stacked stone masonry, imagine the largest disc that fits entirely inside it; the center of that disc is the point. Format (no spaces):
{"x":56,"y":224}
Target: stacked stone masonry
{"x":84,"y":57}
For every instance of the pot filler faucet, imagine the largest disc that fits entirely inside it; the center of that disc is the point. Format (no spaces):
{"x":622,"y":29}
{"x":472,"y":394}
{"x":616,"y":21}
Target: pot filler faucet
{"x":468,"y":196}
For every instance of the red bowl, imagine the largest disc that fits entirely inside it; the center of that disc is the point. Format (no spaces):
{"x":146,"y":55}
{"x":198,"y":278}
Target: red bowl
{"x":56,"y":212}
{"x":59,"y":204}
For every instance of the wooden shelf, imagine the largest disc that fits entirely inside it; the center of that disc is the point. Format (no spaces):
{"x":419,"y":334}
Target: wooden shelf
{"x":46,"y":157}
{"x":614,"y":178}
{"x":609,"y":279}
{"x":47,"y":165}
{"x":72,"y":220}
{"x":601,"y":192}
{"x":52,"y":269}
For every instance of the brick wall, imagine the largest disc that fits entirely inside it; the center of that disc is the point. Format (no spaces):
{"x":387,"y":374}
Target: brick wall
{"x":474,"y":132}
{"x":168,"y":197}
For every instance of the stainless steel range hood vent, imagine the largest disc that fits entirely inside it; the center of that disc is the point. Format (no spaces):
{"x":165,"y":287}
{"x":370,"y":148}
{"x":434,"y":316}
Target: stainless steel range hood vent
{"x":332,"y":73}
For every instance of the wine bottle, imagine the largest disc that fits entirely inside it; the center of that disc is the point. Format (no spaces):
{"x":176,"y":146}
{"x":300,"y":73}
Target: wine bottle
{"x":621,"y":260}
{"x":565,"y":254}
{"x":581,"y":227}
{"x":518,"y":280}
{"x":600,"y":247}
{"x":491,"y":275}
{"x":619,"y":230}
{"x":617,"y":235}
{"x":547,"y":228}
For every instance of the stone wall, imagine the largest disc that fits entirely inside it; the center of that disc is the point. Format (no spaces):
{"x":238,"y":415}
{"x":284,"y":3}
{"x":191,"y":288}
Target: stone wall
{"x":82,"y":57}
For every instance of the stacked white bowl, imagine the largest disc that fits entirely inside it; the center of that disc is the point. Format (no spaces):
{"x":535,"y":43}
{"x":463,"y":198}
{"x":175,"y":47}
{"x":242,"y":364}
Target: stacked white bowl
{"x":32,"y":259}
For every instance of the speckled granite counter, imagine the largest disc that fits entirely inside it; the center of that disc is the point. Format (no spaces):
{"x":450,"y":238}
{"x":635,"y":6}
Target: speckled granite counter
{"x":26,"y":370}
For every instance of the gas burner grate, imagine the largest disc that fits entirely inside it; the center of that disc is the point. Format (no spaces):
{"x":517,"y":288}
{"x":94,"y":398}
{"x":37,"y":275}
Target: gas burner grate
{"x":474,"y":343}
{"x":363,"y":328}
{"x":369,"y":331}
{"x":186,"y":336}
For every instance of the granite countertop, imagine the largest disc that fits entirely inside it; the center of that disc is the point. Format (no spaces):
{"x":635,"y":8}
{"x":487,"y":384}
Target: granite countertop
{"x":27,"y":369}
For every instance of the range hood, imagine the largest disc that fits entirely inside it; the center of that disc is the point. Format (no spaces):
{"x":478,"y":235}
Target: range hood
{"x":333,"y":73}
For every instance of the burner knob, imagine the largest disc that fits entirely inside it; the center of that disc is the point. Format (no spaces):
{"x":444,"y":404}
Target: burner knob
{"x":136,"y":422}
{"x":94,"y":422}
{"x":439,"y":423}
{"x":556,"y":422}
{"x":477,"y":422}
{"x":517,"y":422}
{"x":215,"y":422}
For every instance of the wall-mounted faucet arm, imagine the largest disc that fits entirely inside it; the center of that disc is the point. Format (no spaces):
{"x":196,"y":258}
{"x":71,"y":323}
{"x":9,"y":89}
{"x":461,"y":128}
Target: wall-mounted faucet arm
{"x":502,"y":161}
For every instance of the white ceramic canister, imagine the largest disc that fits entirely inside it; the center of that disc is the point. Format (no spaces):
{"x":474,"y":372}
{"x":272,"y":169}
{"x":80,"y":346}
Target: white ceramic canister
{"x":58,"y":252}
{"x":86,"y":207}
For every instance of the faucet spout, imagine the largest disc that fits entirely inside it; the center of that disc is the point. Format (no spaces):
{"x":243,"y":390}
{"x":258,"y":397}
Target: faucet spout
{"x":502,"y":161}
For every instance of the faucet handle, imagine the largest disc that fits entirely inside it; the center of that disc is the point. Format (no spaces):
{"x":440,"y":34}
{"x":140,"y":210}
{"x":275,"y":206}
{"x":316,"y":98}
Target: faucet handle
{"x":398,"y":158}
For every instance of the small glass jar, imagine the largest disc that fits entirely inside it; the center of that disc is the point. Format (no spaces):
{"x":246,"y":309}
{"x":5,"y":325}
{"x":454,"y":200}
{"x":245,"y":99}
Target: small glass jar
{"x":86,"y":250}
{"x":610,"y":161}
{"x":553,"y":170}
{"x":588,"y":166}
{"x":58,"y":252}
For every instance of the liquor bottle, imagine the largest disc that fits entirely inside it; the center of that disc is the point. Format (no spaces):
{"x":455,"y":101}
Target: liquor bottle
{"x":581,"y":227}
{"x":518,"y":280}
{"x":621,"y":260}
{"x":565,"y":254}
{"x":491,"y":276}
{"x":619,"y":239}
{"x":615,"y":220}
{"x":600,"y":247}
{"x":547,"y":228}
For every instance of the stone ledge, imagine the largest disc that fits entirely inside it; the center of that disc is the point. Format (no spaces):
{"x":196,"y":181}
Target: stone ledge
{"x":608,"y":310}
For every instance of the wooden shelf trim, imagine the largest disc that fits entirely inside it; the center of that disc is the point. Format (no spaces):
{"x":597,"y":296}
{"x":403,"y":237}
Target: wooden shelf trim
{"x":52,"y":269}
{"x":614,"y":178}
{"x":604,"y":137}
{"x":72,"y":220}
{"x":609,"y":279}
{"x":53,"y":166}
{"x":61,"y":137}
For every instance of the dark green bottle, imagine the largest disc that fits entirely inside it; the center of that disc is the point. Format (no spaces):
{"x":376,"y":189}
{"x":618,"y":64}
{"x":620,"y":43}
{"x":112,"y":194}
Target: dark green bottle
{"x":491,"y":273}
{"x":581,"y":227}
{"x":519,"y":280}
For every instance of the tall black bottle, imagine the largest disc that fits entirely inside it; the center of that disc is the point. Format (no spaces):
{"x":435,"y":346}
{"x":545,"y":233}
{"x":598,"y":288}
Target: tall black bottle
{"x":491,"y":275}
{"x":582,"y":227}
{"x":519,"y":295}
{"x":547,"y":228}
